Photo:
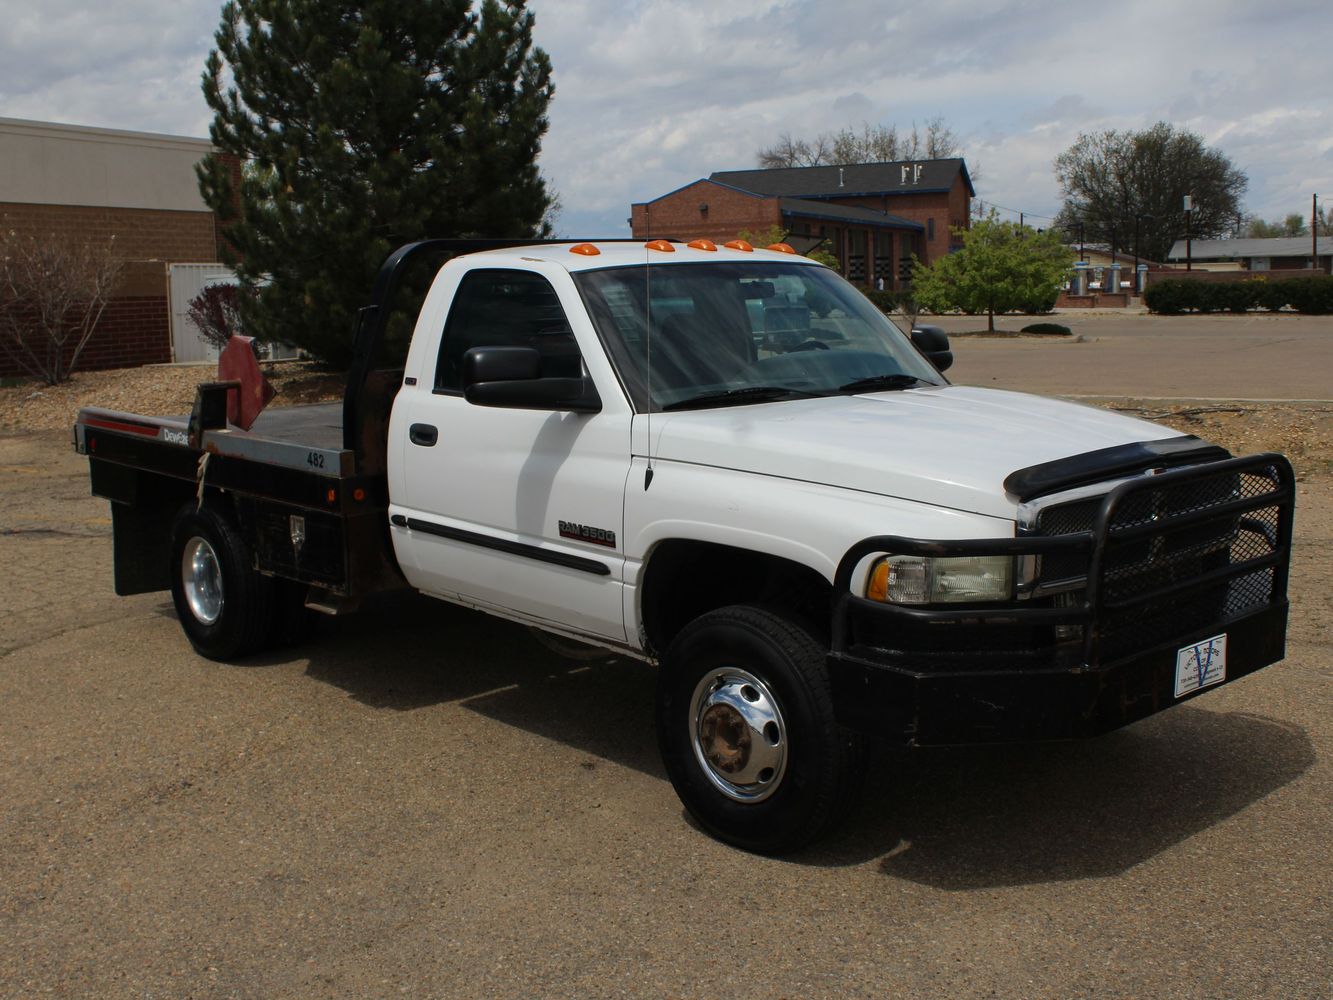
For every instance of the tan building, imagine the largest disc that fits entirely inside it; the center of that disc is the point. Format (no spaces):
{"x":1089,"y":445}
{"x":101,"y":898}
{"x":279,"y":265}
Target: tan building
{"x":874,"y":217}
{"x":69,"y":181}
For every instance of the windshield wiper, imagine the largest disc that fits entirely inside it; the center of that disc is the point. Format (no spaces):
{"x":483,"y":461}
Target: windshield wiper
{"x":745,"y":394}
{"x":894,"y":380}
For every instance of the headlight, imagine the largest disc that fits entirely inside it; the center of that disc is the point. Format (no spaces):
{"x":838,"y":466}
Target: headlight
{"x":945,"y":580}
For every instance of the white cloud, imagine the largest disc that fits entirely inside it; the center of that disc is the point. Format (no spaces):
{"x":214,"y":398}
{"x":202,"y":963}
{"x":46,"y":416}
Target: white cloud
{"x":652,"y":94}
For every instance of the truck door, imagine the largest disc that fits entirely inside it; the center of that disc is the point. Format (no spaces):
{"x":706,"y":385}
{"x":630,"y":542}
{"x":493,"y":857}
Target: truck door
{"x":513,"y":509}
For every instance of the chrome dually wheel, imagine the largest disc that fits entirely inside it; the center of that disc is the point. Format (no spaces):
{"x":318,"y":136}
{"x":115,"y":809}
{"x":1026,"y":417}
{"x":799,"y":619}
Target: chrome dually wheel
{"x":740,"y":738}
{"x":224,"y":603}
{"x":747,"y":731}
{"x":201,"y":579}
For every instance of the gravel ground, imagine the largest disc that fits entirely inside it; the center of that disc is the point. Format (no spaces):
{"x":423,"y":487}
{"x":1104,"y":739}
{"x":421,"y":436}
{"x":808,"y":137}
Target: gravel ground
{"x":422,"y":802}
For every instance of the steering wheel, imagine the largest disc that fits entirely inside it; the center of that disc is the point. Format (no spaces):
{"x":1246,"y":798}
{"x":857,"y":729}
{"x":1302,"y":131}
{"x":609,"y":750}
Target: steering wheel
{"x":809,"y":345}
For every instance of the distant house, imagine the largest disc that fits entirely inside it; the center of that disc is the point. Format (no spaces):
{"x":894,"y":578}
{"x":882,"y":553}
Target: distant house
{"x":1282,"y":254}
{"x":874,"y":217}
{"x":83,"y":183}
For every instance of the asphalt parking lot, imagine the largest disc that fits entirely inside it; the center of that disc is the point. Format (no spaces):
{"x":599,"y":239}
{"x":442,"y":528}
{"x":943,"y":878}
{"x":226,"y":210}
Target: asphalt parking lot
{"x":424,"y":802}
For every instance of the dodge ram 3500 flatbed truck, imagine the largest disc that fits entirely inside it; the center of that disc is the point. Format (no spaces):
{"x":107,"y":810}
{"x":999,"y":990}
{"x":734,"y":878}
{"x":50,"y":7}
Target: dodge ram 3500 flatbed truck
{"x":726,"y":461}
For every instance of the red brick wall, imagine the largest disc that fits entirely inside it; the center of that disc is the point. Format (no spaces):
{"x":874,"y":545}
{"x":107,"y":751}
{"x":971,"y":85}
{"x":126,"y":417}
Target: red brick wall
{"x":141,"y":234}
{"x":132,"y":331}
{"x":947,"y":209}
{"x":677,"y":215}
{"x":135,"y":329}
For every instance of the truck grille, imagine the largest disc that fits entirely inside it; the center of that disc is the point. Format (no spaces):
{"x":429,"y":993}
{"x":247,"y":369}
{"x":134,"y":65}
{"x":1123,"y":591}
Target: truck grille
{"x":1180,"y":555}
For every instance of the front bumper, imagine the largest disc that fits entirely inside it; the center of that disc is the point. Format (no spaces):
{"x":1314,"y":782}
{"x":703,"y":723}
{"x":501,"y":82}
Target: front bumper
{"x":1098,"y":659}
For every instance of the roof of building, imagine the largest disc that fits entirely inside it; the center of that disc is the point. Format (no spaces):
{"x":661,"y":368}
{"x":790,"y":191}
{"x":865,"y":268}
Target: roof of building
{"x":808,"y":209}
{"x":1283,"y":246}
{"x":850,"y":180}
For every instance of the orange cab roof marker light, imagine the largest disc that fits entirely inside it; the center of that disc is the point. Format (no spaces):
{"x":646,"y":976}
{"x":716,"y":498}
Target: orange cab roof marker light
{"x":780,"y":247}
{"x":702,"y":245}
{"x":740,"y":245}
{"x":662,"y":245}
{"x":585,"y":250}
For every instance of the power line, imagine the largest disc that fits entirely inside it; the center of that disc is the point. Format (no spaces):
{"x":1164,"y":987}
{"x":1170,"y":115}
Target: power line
{"x":982,"y":203}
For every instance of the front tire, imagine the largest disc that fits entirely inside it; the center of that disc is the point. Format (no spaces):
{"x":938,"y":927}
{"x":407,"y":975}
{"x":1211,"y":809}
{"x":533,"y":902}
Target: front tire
{"x":225,"y":606}
{"x":747,"y":732}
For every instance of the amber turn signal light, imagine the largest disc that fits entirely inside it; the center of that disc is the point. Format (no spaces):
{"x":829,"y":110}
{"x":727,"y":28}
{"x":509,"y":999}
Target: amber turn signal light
{"x":780,"y":247}
{"x":702,"y":245}
{"x":740,"y":245}
{"x":585,"y":250}
{"x":662,"y":245}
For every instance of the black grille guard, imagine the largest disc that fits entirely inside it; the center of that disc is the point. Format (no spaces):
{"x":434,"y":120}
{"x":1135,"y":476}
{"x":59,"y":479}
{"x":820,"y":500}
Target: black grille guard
{"x":1123,"y":519}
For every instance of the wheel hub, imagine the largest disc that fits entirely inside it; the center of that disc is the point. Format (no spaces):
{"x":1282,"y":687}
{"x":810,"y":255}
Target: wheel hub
{"x":201,"y":578}
{"x":739,"y":735}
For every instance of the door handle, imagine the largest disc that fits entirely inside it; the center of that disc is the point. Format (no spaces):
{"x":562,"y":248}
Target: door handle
{"x":423,"y":434}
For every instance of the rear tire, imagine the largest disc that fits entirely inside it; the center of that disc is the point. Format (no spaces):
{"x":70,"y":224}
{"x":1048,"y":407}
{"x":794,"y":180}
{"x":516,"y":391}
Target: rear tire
{"x":747,"y":732}
{"x":225,"y":606}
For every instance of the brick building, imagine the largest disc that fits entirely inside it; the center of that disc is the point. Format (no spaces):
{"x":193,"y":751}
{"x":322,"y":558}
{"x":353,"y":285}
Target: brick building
{"x":81,"y":184}
{"x":873,"y":216}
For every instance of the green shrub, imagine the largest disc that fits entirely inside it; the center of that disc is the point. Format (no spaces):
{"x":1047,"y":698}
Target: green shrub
{"x":885,"y":302}
{"x":1046,"y":328}
{"x":1271,"y":295}
{"x":1313,"y":296}
{"x":1041,"y":304}
{"x":1170,"y":297}
{"x":1235,"y":296}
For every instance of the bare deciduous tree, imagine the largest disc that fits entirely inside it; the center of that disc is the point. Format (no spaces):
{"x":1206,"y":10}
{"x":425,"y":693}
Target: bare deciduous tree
{"x":873,"y":144}
{"x":1124,"y":181}
{"x":52,"y":294}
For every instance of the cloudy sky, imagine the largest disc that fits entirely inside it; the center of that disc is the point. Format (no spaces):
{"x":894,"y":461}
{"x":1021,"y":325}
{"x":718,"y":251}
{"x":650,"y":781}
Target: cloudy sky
{"x":653,"y":94}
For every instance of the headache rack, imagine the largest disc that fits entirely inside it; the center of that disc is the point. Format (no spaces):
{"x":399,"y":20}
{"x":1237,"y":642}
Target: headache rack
{"x":1159,"y":559}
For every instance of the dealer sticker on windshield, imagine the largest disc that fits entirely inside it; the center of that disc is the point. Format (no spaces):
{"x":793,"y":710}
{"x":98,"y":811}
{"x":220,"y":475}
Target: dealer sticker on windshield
{"x":1200,"y":665}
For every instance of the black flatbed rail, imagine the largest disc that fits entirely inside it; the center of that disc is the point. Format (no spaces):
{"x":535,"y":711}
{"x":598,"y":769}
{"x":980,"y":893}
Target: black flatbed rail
{"x":287,"y":476}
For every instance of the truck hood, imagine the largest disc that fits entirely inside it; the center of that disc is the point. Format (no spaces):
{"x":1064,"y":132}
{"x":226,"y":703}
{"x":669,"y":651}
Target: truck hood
{"x":951,"y":446}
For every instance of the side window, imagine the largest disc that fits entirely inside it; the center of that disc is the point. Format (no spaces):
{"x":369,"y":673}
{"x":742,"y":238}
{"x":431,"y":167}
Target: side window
{"x":502,"y":308}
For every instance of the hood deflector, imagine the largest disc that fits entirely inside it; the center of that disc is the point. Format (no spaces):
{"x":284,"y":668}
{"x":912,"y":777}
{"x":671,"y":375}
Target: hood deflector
{"x":1108,"y":463}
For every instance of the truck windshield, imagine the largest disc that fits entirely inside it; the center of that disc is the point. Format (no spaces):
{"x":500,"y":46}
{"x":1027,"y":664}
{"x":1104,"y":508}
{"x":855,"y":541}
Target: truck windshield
{"x":716,"y":333}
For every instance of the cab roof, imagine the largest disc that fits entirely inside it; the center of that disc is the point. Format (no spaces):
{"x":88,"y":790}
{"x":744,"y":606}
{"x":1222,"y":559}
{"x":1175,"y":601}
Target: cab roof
{"x":579,"y":256}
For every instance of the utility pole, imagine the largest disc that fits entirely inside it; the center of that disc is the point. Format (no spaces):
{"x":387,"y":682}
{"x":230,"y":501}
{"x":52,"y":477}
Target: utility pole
{"x":1314,"y":231}
{"x":1189,"y":243}
{"x":1138,"y":218}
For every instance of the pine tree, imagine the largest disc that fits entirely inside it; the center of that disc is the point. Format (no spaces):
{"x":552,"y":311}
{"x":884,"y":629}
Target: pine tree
{"x":362,"y":126}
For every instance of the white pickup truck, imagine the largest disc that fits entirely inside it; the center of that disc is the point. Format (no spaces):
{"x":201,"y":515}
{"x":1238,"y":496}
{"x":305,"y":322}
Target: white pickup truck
{"x":728,"y":462}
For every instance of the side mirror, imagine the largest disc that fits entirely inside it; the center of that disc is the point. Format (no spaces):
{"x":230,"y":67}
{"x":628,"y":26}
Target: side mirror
{"x":511,"y":377}
{"x":934,"y":344}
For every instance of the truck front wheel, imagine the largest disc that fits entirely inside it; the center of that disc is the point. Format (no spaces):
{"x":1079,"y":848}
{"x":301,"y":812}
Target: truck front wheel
{"x":225,"y":606}
{"x":746,"y":727}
